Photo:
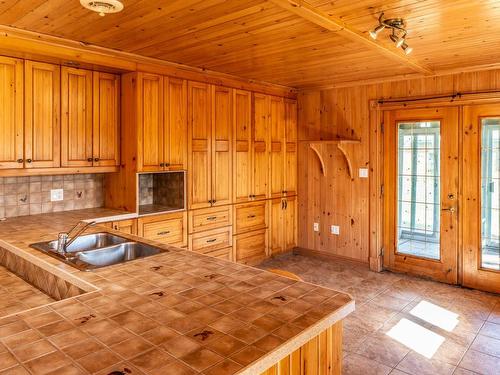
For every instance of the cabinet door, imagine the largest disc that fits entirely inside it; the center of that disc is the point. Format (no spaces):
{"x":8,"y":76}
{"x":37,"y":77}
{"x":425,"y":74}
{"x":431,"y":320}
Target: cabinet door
{"x":276,"y":227}
{"x":242,"y":152}
{"x":199,"y":149}
{"x":126,"y":226}
{"x":260,"y":136}
{"x":290,"y":223}
{"x":277,"y":146}
{"x":176,"y":129}
{"x":76,"y":117}
{"x":150,"y":123}
{"x":11,"y":113}
{"x":221,"y":145}
{"x":42,"y":132}
{"x":106,"y":119}
{"x":290,"y":184}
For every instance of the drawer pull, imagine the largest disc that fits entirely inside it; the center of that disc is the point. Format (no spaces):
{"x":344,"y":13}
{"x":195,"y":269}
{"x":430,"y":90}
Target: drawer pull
{"x":212,"y":240}
{"x":250,"y":216}
{"x":163,"y":233}
{"x":212,"y":218}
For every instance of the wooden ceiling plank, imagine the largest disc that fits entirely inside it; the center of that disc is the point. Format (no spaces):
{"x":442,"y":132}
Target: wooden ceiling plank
{"x":312,"y":14}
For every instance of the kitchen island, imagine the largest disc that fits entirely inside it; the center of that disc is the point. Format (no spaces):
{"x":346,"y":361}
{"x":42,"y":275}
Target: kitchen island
{"x":177,"y":312}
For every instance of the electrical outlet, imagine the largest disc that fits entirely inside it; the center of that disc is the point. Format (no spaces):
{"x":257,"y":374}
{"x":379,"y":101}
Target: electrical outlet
{"x":56,"y":195}
{"x":316,"y":227}
{"x":335,"y":229}
{"x":363,"y":172}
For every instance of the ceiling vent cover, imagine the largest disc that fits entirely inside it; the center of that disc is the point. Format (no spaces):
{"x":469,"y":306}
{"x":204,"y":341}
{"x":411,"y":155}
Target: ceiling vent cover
{"x":103,"y":6}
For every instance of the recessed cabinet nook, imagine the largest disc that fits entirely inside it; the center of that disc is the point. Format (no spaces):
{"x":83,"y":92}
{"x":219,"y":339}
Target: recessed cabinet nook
{"x":271,"y":187}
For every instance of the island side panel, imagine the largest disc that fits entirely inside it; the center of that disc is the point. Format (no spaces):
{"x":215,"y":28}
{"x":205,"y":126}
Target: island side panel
{"x":322,"y":355}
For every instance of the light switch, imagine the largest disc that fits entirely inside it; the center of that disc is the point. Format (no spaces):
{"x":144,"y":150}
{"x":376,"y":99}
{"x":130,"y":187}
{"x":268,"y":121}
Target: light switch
{"x":316,"y":227}
{"x":363,"y":172}
{"x":335,"y":229}
{"x":56,"y":195}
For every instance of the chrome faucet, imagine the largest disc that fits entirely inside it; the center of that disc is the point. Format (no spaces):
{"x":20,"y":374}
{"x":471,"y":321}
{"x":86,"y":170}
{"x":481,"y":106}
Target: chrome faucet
{"x":64,"y":239}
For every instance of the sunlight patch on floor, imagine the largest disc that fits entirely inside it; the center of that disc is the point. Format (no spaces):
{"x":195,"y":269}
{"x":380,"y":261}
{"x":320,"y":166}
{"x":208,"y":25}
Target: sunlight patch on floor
{"x":435,"y":315}
{"x":416,"y":337}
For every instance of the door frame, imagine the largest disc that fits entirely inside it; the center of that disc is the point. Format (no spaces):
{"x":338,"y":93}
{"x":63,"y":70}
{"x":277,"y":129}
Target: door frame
{"x":377,"y":107}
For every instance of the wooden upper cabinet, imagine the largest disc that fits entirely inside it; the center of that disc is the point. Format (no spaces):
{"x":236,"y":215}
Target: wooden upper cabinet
{"x":175,"y":123}
{"x":42,"y":132}
{"x":11,"y":113}
{"x":150,"y":153}
{"x":290,"y":171}
{"x":222,"y":145}
{"x":242,"y":146}
{"x":76,"y":117}
{"x":199,"y":147}
{"x":277,"y":147}
{"x":260,"y":140}
{"x":106,"y":130}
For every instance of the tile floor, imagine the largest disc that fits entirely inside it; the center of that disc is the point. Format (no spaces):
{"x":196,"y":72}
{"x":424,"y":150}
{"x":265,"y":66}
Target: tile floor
{"x":17,"y":295}
{"x":405,"y":325}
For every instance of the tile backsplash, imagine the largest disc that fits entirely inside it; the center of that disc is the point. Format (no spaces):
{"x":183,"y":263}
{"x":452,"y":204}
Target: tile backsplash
{"x":21,"y":196}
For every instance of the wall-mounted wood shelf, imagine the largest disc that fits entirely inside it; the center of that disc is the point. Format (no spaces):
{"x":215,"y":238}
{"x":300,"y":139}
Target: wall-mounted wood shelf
{"x":320,"y":149}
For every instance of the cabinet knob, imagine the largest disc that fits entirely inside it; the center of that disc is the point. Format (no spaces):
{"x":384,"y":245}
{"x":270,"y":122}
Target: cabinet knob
{"x":89,"y":159}
{"x":29,"y":160}
{"x":96,"y":159}
{"x":167,"y":164}
{"x":20,"y":160}
{"x":162,"y":164}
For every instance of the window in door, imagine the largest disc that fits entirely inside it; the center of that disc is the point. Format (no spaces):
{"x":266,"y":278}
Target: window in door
{"x":490,"y":194}
{"x":418,"y":222}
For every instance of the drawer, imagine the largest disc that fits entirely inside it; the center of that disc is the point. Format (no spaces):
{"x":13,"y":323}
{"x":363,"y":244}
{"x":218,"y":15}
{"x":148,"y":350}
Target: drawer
{"x":211,"y":240}
{"x":224,"y":253}
{"x":250,"y":248}
{"x":210,"y":218}
{"x":168,"y":229}
{"x":125,"y":226}
{"x":250,"y":216}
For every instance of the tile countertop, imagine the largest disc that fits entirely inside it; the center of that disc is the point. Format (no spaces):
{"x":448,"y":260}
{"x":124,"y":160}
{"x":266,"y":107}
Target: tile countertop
{"x":178,"y":312}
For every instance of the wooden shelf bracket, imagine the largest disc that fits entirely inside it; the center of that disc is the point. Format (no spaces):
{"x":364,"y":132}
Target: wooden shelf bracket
{"x":344,"y":146}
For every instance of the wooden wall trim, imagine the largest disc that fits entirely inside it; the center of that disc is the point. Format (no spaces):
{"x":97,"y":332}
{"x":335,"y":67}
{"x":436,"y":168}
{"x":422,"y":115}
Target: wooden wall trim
{"x":35,"y":46}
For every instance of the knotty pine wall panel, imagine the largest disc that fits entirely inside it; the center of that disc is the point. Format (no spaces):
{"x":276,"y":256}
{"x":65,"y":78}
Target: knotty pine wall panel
{"x":335,"y":199}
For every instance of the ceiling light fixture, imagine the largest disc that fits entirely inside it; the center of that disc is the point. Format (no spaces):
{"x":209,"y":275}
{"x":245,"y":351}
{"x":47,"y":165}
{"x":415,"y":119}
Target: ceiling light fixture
{"x":398,"y":35}
{"x":103,"y":7}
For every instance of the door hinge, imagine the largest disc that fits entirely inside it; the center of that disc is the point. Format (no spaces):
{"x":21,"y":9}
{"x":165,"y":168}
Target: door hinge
{"x":382,"y":251}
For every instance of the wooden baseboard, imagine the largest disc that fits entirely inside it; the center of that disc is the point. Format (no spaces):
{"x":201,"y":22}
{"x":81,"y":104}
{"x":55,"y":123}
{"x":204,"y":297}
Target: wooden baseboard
{"x":326,"y":255}
{"x":377,"y":263}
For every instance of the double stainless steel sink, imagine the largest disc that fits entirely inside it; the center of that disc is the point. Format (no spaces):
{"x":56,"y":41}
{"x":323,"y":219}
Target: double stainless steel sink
{"x":97,"y":250}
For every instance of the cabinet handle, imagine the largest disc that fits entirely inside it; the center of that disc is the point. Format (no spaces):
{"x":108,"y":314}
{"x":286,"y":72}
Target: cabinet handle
{"x":162,"y":164}
{"x":211,"y":218}
{"x":212,"y":240}
{"x":282,"y":204}
{"x":29,"y":160}
{"x":20,"y":160}
{"x":250,"y":216}
{"x":286,"y":205}
{"x":96,"y":159}
{"x":116,"y":227}
{"x":163,"y":233}
{"x":89,"y":159}
{"x":214,"y":201}
{"x":167,"y":164}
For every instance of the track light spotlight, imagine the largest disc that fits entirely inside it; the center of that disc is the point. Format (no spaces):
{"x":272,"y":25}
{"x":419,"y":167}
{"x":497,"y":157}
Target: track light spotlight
{"x":397,"y":26}
{"x":406,"y":48}
{"x":374,"y":33}
{"x":397,"y":40}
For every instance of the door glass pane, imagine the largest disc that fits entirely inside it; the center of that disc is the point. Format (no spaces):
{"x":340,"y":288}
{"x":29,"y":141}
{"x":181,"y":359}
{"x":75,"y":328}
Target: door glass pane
{"x":490,"y":194}
{"x":419,"y":189}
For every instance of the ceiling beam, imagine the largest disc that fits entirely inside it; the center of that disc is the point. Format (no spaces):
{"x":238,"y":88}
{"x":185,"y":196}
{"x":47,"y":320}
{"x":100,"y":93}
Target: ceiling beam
{"x":323,"y":19}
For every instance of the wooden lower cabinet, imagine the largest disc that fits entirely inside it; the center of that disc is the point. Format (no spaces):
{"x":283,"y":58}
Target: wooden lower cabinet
{"x":215,"y":242}
{"x":210,"y":218}
{"x":170,"y":228}
{"x":322,"y":355}
{"x":282,"y":225}
{"x":250,"y":216}
{"x":250,"y":248}
{"x":125,"y":226}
